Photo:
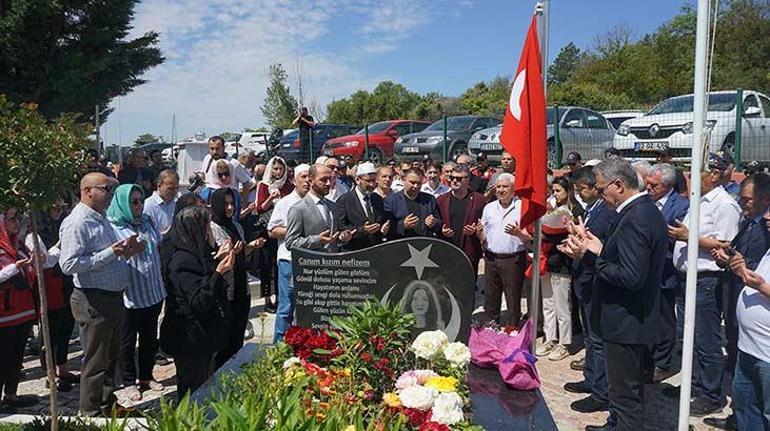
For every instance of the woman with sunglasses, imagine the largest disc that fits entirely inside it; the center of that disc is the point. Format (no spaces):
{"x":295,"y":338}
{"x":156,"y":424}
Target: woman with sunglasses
{"x":229,"y":234}
{"x":144,"y":296}
{"x":58,"y":289}
{"x":270,"y":190}
{"x":17,"y":310}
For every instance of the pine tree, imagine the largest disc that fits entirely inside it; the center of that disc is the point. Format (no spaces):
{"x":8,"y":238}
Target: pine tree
{"x":280,"y":107}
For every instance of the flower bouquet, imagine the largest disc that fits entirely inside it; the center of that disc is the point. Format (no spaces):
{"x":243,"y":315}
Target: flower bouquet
{"x":508,"y":350}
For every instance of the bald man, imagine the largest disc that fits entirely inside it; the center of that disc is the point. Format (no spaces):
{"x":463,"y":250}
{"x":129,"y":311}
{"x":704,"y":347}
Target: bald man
{"x":92,"y":254}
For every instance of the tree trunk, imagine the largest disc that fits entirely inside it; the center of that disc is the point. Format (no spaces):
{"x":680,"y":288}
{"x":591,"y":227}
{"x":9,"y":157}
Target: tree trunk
{"x":44,"y":326}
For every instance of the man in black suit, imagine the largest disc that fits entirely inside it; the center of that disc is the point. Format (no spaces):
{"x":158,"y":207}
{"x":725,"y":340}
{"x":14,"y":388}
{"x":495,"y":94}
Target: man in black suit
{"x":598,"y":219}
{"x":359,"y":211}
{"x":625,"y":297}
{"x":412,"y":212}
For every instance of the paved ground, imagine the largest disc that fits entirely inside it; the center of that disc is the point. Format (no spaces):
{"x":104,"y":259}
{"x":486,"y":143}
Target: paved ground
{"x":662,"y":412}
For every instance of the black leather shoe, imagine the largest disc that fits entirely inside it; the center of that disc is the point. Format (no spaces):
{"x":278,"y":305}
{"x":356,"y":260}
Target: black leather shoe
{"x":605,"y":427}
{"x":702,"y":407}
{"x":661,"y":374}
{"x":589,"y":405}
{"x":578,"y":365}
{"x":729,"y":423}
{"x":577,"y":387}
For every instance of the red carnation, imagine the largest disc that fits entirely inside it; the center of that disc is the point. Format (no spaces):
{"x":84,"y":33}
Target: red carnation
{"x":366,"y":357}
{"x":416,"y":417}
{"x":433,"y":426}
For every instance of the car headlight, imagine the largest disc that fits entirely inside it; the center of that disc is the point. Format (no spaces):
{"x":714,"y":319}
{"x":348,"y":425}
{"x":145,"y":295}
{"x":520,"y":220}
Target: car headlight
{"x":493,"y":138}
{"x":476,"y":137}
{"x":350,"y":144}
{"x":687,"y":128}
{"x":399,"y":140}
{"x":623,"y":130}
{"x":710,"y":124}
{"x":434,"y":139}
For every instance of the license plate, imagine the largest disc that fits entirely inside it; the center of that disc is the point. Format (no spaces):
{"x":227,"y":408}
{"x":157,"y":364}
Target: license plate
{"x":647,"y":147}
{"x":411,"y":150}
{"x":328,"y":152}
{"x":490,"y":147}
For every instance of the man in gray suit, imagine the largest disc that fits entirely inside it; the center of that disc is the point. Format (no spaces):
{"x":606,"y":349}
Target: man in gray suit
{"x":313,"y":222}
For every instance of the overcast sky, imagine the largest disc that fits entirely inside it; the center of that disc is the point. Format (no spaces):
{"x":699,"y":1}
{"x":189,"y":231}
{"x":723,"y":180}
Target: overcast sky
{"x":218,"y":51}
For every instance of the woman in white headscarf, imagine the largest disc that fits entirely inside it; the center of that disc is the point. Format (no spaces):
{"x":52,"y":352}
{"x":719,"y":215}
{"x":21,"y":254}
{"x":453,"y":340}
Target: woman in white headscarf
{"x":270,"y":190}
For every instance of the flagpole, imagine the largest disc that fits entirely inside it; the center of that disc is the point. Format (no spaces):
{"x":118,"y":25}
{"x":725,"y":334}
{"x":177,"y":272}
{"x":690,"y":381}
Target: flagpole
{"x":541,"y":10}
{"x":699,"y":108}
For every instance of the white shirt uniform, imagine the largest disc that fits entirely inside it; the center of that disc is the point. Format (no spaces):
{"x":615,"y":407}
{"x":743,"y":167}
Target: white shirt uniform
{"x":720,"y":216}
{"x":494,"y":218}
{"x":753,"y":311}
{"x":279,"y":218}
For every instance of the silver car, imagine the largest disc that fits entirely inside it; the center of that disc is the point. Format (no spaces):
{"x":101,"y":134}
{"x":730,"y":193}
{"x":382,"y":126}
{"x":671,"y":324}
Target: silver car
{"x":580,"y":129}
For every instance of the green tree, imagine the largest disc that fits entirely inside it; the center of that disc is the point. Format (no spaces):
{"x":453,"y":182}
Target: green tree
{"x":40,"y":164}
{"x":388,"y":101}
{"x":280,"y":107}
{"x":147,"y":138}
{"x":564,"y":65}
{"x":488,"y":99}
{"x":72,"y":55}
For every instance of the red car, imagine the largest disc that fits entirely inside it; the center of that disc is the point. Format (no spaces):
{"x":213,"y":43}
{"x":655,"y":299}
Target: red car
{"x":382,"y":136}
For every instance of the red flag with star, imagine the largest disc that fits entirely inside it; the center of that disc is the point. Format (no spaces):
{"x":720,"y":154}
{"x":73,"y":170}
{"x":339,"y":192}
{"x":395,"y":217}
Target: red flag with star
{"x":524,"y":134}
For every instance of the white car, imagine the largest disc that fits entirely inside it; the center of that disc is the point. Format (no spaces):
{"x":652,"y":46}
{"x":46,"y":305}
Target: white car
{"x":669,"y":126}
{"x":616,"y":118}
{"x":248,"y":141}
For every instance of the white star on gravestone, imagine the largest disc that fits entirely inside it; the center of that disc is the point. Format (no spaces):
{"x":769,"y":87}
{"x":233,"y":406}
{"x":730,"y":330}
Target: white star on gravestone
{"x":419,"y":260}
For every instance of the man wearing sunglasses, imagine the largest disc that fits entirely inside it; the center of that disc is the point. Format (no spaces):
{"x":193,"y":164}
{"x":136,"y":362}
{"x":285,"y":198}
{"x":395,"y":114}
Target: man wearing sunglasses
{"x":93,"y":255}
{"x":338,"y":188}
{"x":238,"y":175}
{"x":460,"y":211}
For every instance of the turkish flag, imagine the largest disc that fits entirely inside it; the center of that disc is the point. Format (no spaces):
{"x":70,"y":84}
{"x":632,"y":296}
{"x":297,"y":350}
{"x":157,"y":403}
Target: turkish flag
{"x":523,"y":133}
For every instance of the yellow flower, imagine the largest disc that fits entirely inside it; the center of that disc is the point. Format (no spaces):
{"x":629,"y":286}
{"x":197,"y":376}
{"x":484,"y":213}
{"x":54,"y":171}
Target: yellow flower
{"x":442,"y":384}
{"x":350,"y":428}
{"x":391,"y":400}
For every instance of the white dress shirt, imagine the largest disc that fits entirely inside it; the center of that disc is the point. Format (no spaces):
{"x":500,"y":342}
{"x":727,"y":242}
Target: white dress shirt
{"x":660,"y":203}
{"x":753,"y":311}
{"x":338,"y":190}
{"x":720,"y":216}
{"x":362,"y":200}
{"x":279,"y":218}
{"x":629,"y":200}
{"x":494,"y":218}
{"x":438,"y":191}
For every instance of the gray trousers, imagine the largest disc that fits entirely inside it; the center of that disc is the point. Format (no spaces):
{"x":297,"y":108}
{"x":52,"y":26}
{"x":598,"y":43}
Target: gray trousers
{"x":100,"y":314}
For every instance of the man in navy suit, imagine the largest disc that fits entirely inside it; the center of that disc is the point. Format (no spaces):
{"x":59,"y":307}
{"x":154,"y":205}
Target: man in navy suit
{"x":598,"y":219}
{"x":625,"y":297}
{"x":410,"y":211}
{"x":661,"y":186}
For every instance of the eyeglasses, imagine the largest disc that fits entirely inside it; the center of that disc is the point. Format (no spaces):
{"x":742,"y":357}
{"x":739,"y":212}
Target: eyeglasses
{"x":457,"y":178}
{"x":59,"y":207}
{"x":13,"y":218}
{"x":136,"y":202}
{"x":105,"y":188}
{"x":334,"y":168}
{"x":223,"y":174}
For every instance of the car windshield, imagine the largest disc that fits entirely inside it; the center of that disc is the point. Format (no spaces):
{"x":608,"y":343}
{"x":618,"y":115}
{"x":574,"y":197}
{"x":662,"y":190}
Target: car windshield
{"x":291,"y":135}
{"x":617,"y":121}
{"x":722,"y":102}
{"x":375,"y":128}
{"x":549,"y":113}
{"x":452,"y":123}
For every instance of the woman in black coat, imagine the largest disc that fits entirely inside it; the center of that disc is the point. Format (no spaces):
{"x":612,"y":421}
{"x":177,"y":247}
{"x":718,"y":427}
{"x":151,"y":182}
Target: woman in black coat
{"x":195,"y":324}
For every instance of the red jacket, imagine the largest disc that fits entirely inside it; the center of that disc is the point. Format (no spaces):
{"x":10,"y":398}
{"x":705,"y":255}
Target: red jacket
{"x":16,"y":305}
{"x":469,"y":244}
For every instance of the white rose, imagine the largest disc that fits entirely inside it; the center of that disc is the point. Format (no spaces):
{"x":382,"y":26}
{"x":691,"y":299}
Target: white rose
{"x":458,"y":354}
{"x":417,"y":397}
{"x":291,"y":362}
{"x":429,"y":343}
{"x":447,"y":408}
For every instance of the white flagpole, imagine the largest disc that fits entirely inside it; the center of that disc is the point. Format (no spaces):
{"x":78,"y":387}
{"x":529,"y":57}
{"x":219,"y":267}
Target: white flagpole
{"x":541,"y":9}
{"x":699,"y":108}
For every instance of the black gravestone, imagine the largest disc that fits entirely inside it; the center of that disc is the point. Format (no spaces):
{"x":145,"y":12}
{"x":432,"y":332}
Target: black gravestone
{"x":427,"y":277}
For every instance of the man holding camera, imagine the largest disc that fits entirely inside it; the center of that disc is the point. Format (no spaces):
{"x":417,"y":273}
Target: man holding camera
{"x":305,"y":122}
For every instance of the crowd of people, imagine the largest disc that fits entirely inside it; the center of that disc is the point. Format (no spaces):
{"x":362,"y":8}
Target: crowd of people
{"x":148,"y":272}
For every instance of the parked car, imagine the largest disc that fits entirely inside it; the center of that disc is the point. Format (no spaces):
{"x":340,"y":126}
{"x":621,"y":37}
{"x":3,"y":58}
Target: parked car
{"x":382,"y":137}
{"x":247,"y":141}
{"x":669,"y":126}
{"x":580,"y":129}
{"x":291,"y":147}
{"x":616,"y":118}
{"x":431,"y":140}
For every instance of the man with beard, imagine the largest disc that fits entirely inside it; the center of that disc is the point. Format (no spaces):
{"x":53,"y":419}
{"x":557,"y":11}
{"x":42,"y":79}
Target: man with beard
{"x":277,"y":229}
{"x":461,"y":210}
{"x":359,"y":212}
{"x":412,"y":212}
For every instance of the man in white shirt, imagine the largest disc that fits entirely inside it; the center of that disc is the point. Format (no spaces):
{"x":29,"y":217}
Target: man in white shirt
{"x":161,"y":204}
{"x":240,"y":176}
{"x":434,"y":186}
{"x":277,"y":229}
{"x":719,"y":219}
{"x":338,"y":188}
{"x":505,"y":252}
{"x":751,"y":383}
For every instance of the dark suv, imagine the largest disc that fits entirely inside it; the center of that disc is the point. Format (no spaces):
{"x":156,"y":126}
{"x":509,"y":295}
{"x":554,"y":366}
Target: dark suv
{"x":430,"y":141}
{"x":291,"y":147}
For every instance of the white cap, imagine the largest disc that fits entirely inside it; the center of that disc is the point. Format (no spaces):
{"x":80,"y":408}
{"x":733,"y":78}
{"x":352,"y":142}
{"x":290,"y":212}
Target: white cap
{"x":300,"y":169}
{"x":592,"y":162}
{"x":365,"y":168}
{"x":321,"y":160}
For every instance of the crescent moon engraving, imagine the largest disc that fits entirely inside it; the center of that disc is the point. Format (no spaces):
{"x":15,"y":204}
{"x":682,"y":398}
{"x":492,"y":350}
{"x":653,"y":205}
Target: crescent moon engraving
{"x":384,"y":300}
{"x":518,"y":88}
{"x":452,"y":330}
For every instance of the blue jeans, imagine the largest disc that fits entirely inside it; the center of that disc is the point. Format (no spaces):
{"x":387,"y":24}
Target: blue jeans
{"x":708,"y":362}
{"x":594,"y":373}
{"x":751,"y":392}
{"x":286,"y":300}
